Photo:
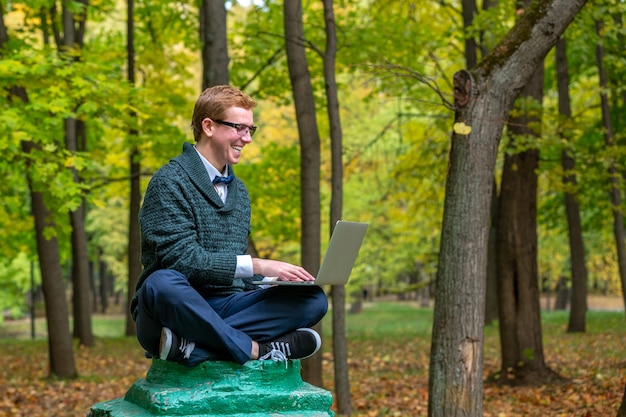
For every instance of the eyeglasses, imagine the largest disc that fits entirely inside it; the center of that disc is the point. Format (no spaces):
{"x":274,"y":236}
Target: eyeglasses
{"x":241,"y":129}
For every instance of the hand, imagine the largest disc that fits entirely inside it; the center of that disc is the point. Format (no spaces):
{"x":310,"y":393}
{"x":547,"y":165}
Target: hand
{"x":283,"y":271}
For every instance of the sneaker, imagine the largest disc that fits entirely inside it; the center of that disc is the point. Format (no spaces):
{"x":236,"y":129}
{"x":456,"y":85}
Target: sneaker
{"x":299,"y":344}
{"x":173,"y":348}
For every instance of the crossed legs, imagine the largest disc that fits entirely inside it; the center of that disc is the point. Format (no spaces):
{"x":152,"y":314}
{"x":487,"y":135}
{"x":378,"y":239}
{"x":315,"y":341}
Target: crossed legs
{"x":223,"y":328}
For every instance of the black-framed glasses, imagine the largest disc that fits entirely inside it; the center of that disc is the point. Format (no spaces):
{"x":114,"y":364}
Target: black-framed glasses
{"x":241,"y":129}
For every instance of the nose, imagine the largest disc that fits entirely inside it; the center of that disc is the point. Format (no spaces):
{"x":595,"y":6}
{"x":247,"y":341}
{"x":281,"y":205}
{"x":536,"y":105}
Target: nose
{"x":247,"y":137}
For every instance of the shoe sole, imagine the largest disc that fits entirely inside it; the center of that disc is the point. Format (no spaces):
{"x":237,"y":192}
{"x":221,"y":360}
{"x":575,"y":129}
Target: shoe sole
{"x":318,"y":340}
{"x":165,"y":343}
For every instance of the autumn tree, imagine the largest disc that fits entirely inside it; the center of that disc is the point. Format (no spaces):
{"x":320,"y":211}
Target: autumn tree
{"x":61,"y":355}
{"x":615,"y":191}
{"x":483,"y":98}
{"x":577,"y":248}
{"x":338,"y":292}
{"x":304,"y":102}
{"x":134,"y":168}
{"x":70,"y":39}
{"x":518,"y":278}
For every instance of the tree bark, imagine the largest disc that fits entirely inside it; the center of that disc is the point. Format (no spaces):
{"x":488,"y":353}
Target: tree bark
{"x":134,"y":164}
{"x":518,"y":277}
{"x":491,"y":300}
{"x":309,"y":157}
{"x":340,"y":347}
{"x":134,"y":232}
{"x":578,"y":309}
{"x":491,"y":289}
{"x":81,"y":296}
{"x":214,"y":44}
{"x":483,"y":100}
{"x":60,"y":349}
{"x":471,"y":51}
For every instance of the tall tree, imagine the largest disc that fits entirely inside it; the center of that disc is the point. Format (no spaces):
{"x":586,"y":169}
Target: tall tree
{"x":134,"y":234}
{"x":615,"y":192}
{"x":338,"y":292}
{"x":518,"y":277}
{"x":70,"y":45}
{"x":491,"y":296}
{"x":578,"y":309}
{"x":61,"y":358}
{"x":310,"y":155}
{"x":483,"y":98}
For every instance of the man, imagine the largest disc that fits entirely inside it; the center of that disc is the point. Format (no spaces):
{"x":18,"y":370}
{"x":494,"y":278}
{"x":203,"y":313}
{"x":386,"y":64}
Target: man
{"x":195,"y":300}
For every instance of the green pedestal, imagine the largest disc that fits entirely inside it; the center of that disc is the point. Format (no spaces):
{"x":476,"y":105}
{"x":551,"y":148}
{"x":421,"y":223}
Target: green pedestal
{"x":256,"y":389}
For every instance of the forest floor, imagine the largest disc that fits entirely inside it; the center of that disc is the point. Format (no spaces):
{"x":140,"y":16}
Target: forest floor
{"x":388,"y":345}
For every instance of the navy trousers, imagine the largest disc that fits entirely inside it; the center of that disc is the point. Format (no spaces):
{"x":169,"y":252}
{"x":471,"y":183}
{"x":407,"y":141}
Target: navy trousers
{"x":222,"y":328}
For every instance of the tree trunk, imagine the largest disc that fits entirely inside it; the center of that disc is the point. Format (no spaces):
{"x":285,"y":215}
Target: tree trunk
{"x":62,"y":363}
{"x":518,"y":279}
{"x":577,"y":248}
{"x":471,"y":51}
{"x":72,"y":38}
{"x":562,"y":295}
{"x":491,"y":295}
{"x":214,"y":43}
{"x":309,"y":157}
{"x":615,"y":192}
{"x":81,"y":296}
{"x":483,"y":100}
{"x":491,"y":288}
{"x":104,"y":284}
{"x":134,"y":238}
{"x":134,"y":233}
{"x":455,"y":374}
{"x":340,"y":348}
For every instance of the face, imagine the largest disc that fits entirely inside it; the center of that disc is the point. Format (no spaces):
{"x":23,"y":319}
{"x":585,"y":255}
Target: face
{"x":225,"y":144}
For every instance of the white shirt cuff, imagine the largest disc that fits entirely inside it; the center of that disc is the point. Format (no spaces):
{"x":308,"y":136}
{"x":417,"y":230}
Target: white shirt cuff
{"x":244,"y":266}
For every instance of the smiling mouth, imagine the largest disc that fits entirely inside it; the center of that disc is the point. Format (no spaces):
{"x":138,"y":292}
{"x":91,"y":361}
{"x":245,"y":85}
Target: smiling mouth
{"x":237,"y":148}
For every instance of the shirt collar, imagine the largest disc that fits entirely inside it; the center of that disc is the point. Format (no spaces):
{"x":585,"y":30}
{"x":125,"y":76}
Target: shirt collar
{"x":210,"y":169}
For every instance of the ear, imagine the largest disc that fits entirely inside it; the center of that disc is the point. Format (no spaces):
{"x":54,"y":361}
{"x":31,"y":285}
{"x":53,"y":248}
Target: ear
{"x":208,"y":126}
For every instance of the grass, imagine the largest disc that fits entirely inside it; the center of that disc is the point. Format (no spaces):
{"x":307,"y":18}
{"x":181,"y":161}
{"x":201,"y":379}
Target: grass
{"x":388,"y":344}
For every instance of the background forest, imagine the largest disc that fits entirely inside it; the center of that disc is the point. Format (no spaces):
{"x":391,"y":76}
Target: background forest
{"x":394,"y":66}
{"x":396,"y":132}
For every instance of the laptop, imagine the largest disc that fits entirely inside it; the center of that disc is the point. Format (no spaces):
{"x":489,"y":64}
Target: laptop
{"x":339,"y":259}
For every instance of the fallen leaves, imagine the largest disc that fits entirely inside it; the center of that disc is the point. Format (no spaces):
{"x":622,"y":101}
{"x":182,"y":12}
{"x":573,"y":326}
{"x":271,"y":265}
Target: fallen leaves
{"x":106,"y":372}
{"x":388,"y":373}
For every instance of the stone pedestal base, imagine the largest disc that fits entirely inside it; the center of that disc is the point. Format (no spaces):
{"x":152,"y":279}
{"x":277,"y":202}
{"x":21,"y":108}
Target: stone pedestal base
{"x":256,"y":389}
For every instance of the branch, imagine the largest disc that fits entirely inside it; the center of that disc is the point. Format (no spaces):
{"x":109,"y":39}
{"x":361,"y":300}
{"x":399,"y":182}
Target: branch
{"x":401,"y":71}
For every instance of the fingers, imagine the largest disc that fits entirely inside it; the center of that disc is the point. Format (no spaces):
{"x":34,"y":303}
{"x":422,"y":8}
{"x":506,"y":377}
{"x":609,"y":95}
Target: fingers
{"x":284,"y":271}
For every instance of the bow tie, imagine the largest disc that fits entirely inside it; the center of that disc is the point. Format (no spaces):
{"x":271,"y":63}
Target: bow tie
{"x":225,"y":180}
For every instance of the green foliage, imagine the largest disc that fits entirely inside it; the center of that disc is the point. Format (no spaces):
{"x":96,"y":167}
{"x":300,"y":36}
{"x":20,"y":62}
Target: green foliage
{"x":275,"y":195}
{"x":15,"y":282}
{"x":395,"y":63}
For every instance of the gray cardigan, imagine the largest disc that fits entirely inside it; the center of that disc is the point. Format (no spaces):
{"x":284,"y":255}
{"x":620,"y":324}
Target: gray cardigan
{"x":185,"y":226}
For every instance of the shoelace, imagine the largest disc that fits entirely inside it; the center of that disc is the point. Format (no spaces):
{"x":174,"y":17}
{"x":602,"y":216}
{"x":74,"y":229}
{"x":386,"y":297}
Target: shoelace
{"x":280,"y":352}
{"x":186,"y":347}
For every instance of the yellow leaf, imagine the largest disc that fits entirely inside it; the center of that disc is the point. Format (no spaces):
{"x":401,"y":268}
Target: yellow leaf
{"x":69,"y":161}
{"x":462,"y":129}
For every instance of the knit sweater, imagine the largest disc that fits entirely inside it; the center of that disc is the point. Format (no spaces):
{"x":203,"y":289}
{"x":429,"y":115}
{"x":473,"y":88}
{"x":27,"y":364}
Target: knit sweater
{"x":186,"y":227}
